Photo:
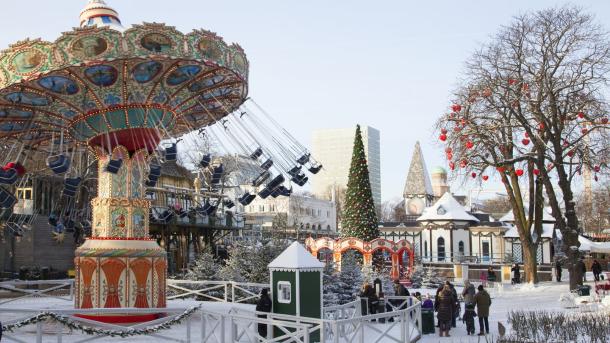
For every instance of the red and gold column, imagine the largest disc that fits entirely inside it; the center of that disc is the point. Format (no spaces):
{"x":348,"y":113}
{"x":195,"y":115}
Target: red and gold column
{"x":120,"y":266}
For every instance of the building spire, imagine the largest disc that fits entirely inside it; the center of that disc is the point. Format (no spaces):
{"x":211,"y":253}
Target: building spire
{"x":418,"y":181}
{"x":98,"y":13}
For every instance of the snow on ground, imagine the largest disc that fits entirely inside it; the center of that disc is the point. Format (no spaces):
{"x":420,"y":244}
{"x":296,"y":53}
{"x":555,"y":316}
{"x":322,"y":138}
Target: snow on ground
{"x":545,"y":296}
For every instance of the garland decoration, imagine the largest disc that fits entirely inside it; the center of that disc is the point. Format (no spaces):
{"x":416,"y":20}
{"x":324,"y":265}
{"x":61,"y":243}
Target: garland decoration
{"x":128,"y":332}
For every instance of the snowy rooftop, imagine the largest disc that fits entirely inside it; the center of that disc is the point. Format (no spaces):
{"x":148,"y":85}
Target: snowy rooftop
{"x":446,"y":209}
{"x":296,"y":257}
{"x":547,"y":231}
{"x":547,"y":216}
{"x":591,"y":246}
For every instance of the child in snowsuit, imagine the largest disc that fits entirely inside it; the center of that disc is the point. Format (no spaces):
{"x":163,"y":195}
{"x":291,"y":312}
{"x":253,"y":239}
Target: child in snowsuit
{"x":468,"y":318}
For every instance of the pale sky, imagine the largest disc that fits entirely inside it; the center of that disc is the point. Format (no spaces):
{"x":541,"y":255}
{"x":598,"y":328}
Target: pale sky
{"x":325,"y":64}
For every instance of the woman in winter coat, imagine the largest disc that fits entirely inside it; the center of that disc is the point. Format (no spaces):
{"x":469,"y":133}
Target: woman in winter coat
{"x":372,"y":300}
{"x":264,"y":305}
{"x":444,"y":306}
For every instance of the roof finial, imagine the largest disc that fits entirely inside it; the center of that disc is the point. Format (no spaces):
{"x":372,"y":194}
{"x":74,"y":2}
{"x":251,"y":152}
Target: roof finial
{"x":98,"y":13}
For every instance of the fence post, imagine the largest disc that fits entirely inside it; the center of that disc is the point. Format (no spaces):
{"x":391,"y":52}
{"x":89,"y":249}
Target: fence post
{"x":39,"y":332}
{"x":222,"y":328}
{"x":408,"y":327}
{"x":419,"y":320}
{"x":335,"y":332}
{"x":305,"y":334}
{"x":202,"y":325}
{"x":226,"y":292}
{"x":232,"y":292}
{"x":188,"y":329}
{"x":59,"y":333}
{"x":403,"y":319}
{"x":362,"y":323}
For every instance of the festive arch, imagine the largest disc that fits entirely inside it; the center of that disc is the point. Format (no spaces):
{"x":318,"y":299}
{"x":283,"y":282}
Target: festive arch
{"x":367,"y":248}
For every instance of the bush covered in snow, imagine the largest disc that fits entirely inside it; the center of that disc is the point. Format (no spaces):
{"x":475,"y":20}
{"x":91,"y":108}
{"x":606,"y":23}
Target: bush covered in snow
{"x":342,"y":287}
{"x":543,"y":326}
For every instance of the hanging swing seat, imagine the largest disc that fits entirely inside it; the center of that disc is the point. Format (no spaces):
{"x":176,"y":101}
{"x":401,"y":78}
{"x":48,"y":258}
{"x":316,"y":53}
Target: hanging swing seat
{"x":315,"y":169}
{"x":15,"y":229}
{"x":278,"y":180}
{"x":171,"y":152}
{"x":7,"y":199}
{"x":153,"y":175}
{"x":113,"y":166}
{"x":246,"y":199}
{"x":256,"y":154}
{"x":209,"y":209}
{"x":261,"y":178}
{"x":300,"y":180}
{"x":217,"y":174}
{"x":17,"y":166}
{"x":59,"y":164}
{"x":53,"y":219}
{"x":205,"y":161}
{"x":71,"y":186}
{"x":267,"y":164}
{"x":8,"y":176}
{"x":294,"y":172}
{"x":266,"y":192}
{"x":303,"y":159}
{"x":228,"y":203}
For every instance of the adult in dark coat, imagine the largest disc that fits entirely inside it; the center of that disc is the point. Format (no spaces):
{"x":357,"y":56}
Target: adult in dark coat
{"x":444,"y":306}
{"x":369,"y":293}
{"x":400,"y":291}
{"x":558,"y":270}
{"x":483,"y":302}
{"x":581,"y":269}
{"x":516,"y":275}
{"x":491,"y":275}
{"x":263,"y":305}
{"x":456,"y":304}
{"x":596,"y":268}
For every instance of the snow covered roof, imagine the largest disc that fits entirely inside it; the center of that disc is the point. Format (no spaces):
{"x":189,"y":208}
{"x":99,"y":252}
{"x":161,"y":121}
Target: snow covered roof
{"x":590,"y":246}
{"x":547,"y":231}
{"x":418,"y":181}
{"x":547,"y":215}
{"x":296,"y":257}
{"x":446,"y":209}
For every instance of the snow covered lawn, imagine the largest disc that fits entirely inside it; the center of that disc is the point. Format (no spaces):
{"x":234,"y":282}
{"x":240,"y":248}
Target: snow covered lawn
{"x":544,"y":296}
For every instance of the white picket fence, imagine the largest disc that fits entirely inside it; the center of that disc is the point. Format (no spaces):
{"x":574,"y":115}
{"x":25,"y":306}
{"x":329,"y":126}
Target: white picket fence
{"x":340,"y":324}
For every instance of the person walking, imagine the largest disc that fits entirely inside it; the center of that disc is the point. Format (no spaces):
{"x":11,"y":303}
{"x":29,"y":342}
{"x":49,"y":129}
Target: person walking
{"x":263,"y":305}
{"x":582,"y":269}
{"x":558,"y":270}
{"x":596,"y":268}
{"x":444,"y":308}
{"x":483,"y":301}
{"x":516,"y":275}
{"x":491,"y":274}
{"x":371,"y":298}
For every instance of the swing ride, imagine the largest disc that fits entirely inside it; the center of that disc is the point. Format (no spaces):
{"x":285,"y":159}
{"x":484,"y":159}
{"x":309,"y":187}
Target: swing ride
{"x":106,"y":106}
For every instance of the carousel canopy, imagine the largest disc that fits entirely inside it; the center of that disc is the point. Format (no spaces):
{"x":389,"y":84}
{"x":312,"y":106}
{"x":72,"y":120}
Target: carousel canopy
{"x":99,"y":84}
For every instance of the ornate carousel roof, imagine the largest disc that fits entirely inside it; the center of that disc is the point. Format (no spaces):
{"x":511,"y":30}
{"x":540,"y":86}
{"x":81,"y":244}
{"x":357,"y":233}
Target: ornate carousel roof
{"x":98,"y":81}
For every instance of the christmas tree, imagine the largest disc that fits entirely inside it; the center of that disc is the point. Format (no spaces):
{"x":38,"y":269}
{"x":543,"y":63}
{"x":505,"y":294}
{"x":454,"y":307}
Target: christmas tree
{"x":359,"y":217}
{"x":205,"y":267}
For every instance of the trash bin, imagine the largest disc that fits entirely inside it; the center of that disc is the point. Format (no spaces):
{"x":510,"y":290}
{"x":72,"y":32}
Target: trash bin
{"x":427,"y":321}
{"x":23,"y":273}
{"x":44,"y":273}
{"x":584,"y":290}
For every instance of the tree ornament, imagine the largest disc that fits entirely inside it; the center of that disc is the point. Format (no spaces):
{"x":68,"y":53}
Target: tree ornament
{"x":456,"y":108}
{"x":596,"y":168}
{"x":457,"y":129}
{"x":536,"y":172}
{"x":541,"y":126}
{"x":448,"y":150}
{"x":519,"y":172}
{"x":442,"y":137}
{"x":571,"y":153}
{"x":469,"y":144}
{"x":444,"y":131}
{"x":463,"y":163}
{"x":581,"y":115}
{"x":527,"y":135}
{"x":512,"y":81}
{"x":604,"y":120}
{"x":584,"y":130}
{"x":525,"y":141}
{"x":501,"y":170}
{"x":452,"y":165}
{"x":485,"y":177}
{"x":449,"y":156}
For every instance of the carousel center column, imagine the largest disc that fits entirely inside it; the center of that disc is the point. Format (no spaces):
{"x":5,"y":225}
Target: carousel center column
{"x":120,"y":266}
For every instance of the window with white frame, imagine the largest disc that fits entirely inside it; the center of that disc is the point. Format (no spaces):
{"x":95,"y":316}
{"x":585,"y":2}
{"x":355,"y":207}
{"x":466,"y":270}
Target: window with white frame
{"x":284,"y":292}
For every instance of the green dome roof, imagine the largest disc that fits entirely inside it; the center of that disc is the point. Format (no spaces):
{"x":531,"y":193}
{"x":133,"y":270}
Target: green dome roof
{"x":439,"y":170}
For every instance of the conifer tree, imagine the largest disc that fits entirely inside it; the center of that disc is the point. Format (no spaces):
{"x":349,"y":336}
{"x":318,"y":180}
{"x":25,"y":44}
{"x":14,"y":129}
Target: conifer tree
{"x":359,"y":217}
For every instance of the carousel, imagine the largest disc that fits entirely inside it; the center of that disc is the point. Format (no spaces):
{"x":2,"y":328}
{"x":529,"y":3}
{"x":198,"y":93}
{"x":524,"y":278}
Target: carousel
{"x":126,"y":97}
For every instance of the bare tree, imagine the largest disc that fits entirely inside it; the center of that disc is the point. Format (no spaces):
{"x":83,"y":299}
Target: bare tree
{"x":497,"y":206}
{"x":545,"y":75}
{"x":594,"y":209}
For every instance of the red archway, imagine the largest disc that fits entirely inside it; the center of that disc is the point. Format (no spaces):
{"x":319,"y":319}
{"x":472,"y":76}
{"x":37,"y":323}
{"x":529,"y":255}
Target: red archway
{"x":401,"y":252}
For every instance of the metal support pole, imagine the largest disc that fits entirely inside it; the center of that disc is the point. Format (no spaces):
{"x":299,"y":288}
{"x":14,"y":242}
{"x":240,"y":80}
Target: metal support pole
{"x":39,"y":332}
{"x":403,"y":327}
{"x":188,"y":329}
